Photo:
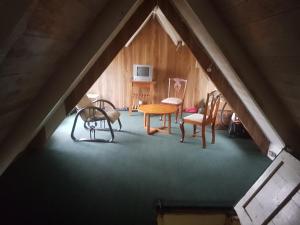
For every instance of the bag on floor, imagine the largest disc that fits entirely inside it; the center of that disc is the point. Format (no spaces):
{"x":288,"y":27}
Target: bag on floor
{"x":236,"y":128}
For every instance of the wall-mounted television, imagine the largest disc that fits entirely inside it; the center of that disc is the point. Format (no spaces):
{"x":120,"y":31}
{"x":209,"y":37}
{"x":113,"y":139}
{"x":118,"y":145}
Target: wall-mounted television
{"x":142,"y":72}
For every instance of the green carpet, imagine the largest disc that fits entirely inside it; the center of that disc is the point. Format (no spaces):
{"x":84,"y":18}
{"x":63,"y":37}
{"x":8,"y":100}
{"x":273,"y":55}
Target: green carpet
{"x":118,"y":183}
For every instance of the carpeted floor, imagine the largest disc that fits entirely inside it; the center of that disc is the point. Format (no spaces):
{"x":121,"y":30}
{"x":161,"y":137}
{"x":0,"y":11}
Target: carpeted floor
{"x":119,"y":183}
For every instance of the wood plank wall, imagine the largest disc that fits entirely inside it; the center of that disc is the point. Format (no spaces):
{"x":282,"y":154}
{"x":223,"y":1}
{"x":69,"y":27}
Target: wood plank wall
{"x":153,"y":46}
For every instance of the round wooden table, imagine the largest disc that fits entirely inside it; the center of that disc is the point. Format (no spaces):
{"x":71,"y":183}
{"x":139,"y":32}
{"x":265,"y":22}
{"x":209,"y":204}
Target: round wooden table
{"x":157,"y":109}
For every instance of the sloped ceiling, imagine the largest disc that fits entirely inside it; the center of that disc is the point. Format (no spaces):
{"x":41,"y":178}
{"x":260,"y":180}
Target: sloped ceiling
{"x":215,"y":18}
{"x":268,"y":30}
{"x":87,"y":32}
{"x":38,"y":35}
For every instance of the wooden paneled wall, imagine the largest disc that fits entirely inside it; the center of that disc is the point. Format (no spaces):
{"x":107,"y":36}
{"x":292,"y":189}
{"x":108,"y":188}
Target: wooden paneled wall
{"x":153,"y":46}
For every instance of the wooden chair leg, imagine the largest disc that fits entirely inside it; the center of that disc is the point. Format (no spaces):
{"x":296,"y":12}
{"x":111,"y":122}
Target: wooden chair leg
{"x":203,"y":137}
{"x":181,"y":111}
{"x":176,"y":117}
{"x":194,"y":130}
{"x":145,"y":120}
{"x":182,"y":131}
{"x":213,"y":134}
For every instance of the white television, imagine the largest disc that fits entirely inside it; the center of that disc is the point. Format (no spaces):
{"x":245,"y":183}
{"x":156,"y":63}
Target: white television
{"x":142,"y":72}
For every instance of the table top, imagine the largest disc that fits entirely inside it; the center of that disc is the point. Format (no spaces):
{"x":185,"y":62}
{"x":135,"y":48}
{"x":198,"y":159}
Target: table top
{"x":158,"y":108}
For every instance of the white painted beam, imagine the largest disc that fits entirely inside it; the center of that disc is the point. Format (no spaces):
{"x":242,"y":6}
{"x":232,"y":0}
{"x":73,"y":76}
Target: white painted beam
{"x":165,"y":24}
{"x":168,"y":28}
{"x":138,"y":30}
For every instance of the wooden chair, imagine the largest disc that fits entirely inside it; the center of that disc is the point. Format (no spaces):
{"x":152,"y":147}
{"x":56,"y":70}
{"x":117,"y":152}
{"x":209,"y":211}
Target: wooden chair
{"x":176,"y":94}
{"x":203,"y":120}
{"x":95,"y":114}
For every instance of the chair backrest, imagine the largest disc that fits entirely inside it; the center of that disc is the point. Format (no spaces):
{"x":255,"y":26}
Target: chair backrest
{"x":177,"y":88}
{"x":88,"y":113}
{"x":211,"y":107}
{"x":84,"y":102}
{"x":91,"y":113}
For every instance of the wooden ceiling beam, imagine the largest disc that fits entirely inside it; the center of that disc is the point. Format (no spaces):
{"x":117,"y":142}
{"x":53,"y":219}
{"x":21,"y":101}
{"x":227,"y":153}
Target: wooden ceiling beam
{"x":245,"y":72}
{"x":69,"y":74}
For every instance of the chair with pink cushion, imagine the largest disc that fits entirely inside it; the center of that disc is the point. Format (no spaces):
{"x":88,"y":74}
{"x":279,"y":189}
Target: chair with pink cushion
{"x":176,"y":94}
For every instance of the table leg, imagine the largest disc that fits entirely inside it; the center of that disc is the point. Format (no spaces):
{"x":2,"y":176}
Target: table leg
{"x":164,"y":119}
{"x":149,"y":129}
{"x":148,"y":123}
{"x":130,"y":105}
{"x":169,"y":124}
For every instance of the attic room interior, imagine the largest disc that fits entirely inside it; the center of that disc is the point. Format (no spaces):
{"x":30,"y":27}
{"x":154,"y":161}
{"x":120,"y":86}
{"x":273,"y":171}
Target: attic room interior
{"x":129,"y":53}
